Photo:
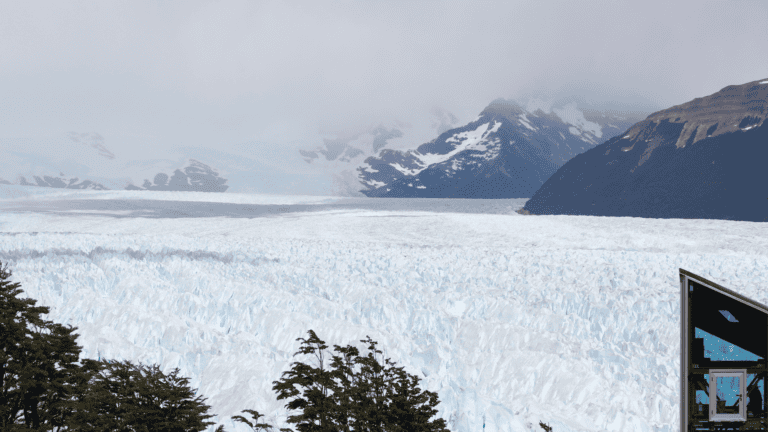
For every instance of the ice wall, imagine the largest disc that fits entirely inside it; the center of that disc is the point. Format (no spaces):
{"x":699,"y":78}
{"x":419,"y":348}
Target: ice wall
{"x":502,"y":318}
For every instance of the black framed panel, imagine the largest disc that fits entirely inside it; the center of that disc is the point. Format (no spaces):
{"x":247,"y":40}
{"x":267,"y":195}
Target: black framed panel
{"x":724,"y":346}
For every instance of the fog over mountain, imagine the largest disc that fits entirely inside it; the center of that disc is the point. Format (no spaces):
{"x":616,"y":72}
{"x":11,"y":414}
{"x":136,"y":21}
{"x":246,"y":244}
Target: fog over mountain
{"x":196,"y":184}
{"x":508,"y":151}
{"x":116,"y":94}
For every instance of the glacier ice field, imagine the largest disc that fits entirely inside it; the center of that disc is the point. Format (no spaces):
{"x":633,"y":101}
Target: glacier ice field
{"x":569,"y":320}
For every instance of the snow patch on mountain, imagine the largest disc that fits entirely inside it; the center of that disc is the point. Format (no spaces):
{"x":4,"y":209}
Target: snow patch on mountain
{"x":475,"y":159}
{"x":472,"y":137}
{"x":375,"y":183}
{"x":405,"y":170}
{"x":341,"y":152}
{"x":470,"y":140}
{"x":524,"y":120}
{"x":572,"y":115}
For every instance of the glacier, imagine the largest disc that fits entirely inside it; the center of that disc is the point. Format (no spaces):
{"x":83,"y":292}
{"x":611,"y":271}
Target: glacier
{"x":569,"y":320}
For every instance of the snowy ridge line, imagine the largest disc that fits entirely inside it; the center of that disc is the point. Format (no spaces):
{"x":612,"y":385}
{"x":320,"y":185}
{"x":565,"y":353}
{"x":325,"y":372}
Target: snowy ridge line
{"x":196,"y":255}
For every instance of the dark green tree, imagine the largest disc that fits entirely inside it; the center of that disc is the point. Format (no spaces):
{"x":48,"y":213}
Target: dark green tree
{"x":362,"y":393}
{"x":38,"y":363}
{"x":411,"y":408}
{"x":355,"y":392}
{"x":344,"y":398}
{"x":309,"y":389}
{"x":255,"y":425}
{"x":44,"y":386}
{"x":122,"y":396}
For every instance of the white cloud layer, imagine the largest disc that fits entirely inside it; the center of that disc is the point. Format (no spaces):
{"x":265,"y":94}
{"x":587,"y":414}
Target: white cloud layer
{"x":150,"y":76}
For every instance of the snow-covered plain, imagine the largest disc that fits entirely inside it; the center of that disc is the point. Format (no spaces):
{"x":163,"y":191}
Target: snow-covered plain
{"x":569,"y":320}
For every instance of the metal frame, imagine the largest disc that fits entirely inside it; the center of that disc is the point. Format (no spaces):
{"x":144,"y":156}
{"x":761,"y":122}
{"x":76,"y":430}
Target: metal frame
{"x":721,"y":373}
{"x":686,"y":334}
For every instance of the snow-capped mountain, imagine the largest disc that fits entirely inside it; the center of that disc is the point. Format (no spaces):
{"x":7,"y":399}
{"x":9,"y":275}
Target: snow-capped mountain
{"x":29,"y":169}
{"x":704,"y":159}
{"x":341,"y":153}
{"x":196,"y":176}
{"x":507,"y":152}
{"x":347,"y":148}
{"x":89,"y":164}
{"x":92,"y":161}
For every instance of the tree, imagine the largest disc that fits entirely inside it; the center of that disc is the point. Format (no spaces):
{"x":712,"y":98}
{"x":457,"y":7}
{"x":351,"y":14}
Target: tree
{"x":254,"y":426}
{"x":122,"y":396}
{"x":356,"y":393}
{"x":362,"y":396}
{"x":38,"y":370}
{"x":43,"y":386}
{"x":317,"y":385}
{"x":411,"y":408}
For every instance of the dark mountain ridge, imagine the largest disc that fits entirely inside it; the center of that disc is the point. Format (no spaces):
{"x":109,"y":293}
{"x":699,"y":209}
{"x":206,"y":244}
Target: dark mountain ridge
{"x":196,"y":176}
{"x":60,"y":181}
{"x":704,"y":159}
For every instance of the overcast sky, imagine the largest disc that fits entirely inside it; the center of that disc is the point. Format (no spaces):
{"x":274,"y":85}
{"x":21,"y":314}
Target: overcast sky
{"x":152,"y":75}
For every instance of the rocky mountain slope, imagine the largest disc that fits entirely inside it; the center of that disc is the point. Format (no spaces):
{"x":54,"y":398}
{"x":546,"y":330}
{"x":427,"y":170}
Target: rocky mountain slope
{"x":507,"y":152}
{"x":704,"y":159}
{"x":90,"y":165}
{"x":342,"y":152}
{"x":196,"y":176}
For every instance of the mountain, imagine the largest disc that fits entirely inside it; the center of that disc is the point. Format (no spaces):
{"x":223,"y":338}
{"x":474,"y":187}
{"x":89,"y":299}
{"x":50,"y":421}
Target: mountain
{"x":60,"y":181}
{"x":507,"y":152}
{"x":107,"y":161}
{"x":341,"y":152}
{"x":704,"y":159}
{"x":196,"y":176}
{"x":344,"y":150}
{"x":92,"y":166}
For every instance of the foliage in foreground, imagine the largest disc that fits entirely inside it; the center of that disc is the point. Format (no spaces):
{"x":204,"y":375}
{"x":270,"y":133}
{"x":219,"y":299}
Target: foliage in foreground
{"x":44,"y":386}
{"x":349,"y":391}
